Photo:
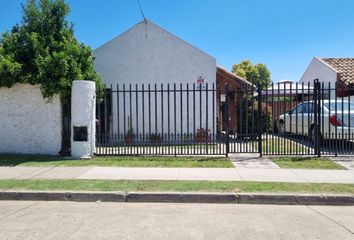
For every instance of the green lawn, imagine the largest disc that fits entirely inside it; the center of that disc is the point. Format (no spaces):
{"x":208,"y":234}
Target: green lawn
{"x":306,"y":162}
{"x":176,"y":186}
{"x":278,"y":145}
{"x":283,"y":146}
{"x":116,"y":161}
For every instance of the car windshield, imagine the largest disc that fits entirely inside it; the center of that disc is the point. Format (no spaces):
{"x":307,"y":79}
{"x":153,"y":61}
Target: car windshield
{"x":340,"y":105}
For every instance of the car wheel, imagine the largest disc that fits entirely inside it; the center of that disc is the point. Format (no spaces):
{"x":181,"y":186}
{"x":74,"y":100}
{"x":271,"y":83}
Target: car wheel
{"x":281,"y":127}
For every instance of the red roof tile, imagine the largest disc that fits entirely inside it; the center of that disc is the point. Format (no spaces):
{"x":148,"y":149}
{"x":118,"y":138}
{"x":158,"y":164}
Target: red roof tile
{"x":345,"y":67}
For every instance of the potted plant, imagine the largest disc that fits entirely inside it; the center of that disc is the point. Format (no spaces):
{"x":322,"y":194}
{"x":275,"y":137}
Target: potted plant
{"x":186,"y":138}
{"x":202,"y":135}
{"x":129,"y":135}
{"x":155,"y":138}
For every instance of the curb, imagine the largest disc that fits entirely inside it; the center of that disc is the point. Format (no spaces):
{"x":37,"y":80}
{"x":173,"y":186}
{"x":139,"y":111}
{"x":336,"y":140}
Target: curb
{"x":173,"y":197}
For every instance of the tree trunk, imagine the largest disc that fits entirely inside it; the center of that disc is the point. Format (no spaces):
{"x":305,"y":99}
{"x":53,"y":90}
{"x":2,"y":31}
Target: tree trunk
{"x":66,"y":132}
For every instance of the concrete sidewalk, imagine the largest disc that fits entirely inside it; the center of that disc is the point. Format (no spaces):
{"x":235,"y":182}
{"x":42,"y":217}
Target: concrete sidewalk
{"x":207,"y":174}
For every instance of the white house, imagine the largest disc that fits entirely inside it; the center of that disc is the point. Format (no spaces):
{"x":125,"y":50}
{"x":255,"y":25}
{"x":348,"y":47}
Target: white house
{"x":332,"y":72}
{"x":147,"y":54}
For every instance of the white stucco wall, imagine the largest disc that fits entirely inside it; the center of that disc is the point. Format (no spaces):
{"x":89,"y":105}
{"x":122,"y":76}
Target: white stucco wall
{"x":83,"y":110}
{"x":318,"y":69}
{"x":29,"y":124}
{"x":148,"y":54}
{"x":321,"y":70}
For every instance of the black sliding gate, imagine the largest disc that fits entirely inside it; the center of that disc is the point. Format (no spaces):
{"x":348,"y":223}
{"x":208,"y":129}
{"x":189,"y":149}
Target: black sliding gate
{"x":202,"y":119}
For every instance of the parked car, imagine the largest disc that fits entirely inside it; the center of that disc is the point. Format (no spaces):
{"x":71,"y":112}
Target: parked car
{"x":336,"y":120}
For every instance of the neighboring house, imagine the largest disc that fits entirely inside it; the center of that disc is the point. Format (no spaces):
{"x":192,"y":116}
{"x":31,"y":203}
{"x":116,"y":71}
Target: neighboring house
{"x":147,"y":54}
{"x":334,"y":72}
{"x":235,"y":84}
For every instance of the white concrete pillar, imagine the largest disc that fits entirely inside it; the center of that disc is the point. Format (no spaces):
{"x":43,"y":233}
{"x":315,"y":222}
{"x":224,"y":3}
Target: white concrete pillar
{"x":83,"y":116}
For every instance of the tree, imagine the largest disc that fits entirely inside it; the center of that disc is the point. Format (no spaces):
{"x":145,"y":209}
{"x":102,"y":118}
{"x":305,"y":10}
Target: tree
{"x":263,"y":75}
{"x":256,"y":74}
{"x":42,"y":50}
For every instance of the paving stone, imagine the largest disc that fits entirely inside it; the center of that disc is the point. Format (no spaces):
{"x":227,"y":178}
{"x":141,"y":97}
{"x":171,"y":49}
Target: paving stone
{"x":346,"y":162}
{"x":252,"y":161}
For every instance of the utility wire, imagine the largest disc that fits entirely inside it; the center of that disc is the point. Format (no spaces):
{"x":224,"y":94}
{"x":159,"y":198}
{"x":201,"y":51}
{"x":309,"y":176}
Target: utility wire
{"x":143,"y":15}
{"x":141,"y":10}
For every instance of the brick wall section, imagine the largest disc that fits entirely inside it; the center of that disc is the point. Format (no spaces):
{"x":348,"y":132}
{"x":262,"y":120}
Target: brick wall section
{"x":236,"y":84}
{"x":343,"y":89}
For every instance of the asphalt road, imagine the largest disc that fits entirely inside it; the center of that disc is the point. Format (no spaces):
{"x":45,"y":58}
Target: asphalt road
{"x":72,"y":220}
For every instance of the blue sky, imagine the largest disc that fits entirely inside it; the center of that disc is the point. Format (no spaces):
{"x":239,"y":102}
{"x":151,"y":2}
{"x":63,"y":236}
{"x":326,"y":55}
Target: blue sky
{"x":283,"y":34}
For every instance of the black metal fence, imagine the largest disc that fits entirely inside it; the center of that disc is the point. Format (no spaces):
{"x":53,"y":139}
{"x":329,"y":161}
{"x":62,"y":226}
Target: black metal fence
{"x":201,"y":119}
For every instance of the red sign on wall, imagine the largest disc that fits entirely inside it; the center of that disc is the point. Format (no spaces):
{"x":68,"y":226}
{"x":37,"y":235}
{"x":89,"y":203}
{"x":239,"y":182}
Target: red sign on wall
{"x":200,"y":80}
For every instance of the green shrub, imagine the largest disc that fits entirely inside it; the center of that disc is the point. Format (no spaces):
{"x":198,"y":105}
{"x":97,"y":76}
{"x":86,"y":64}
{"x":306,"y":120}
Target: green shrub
{"x":248,"y":120}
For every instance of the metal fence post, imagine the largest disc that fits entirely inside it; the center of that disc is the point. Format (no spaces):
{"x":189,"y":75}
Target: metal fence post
{"x":227,"y":120}
{"x":317,"y":117}
{"x":259,"y":90}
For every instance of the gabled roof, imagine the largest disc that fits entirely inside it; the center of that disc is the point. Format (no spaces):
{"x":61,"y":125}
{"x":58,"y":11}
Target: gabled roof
{"x":344,"y":67}
{"x":231,"y":75}
{"x":148,"y":22}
